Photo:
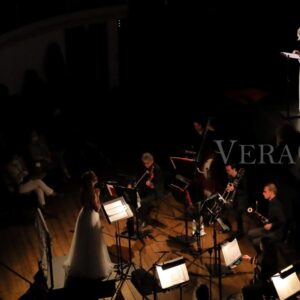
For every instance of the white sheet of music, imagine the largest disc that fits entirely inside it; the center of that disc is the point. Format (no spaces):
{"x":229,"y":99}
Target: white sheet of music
{"x":286,"y":287}
{"x":291,"y":55}
{"x":118,"y":209}
{"x":231,"y":252}
{"x":119,"y":216}
{"x":172,"y":276}
{"x":115,"y":208}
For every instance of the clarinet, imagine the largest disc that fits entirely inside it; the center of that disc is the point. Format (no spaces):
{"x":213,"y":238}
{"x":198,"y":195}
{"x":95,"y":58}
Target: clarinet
{"x":260,"y":217}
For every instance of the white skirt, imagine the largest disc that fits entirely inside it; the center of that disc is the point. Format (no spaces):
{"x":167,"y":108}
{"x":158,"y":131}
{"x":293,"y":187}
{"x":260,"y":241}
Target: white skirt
{"x":88,"y":257}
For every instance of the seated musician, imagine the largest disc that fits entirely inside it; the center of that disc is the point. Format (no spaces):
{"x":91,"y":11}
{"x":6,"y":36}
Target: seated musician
{"x":274,"y":229}
{"x":150,"y":187}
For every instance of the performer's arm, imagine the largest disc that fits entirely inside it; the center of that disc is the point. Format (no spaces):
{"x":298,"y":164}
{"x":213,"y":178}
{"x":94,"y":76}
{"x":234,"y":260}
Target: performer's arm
{"x":96,"y":202}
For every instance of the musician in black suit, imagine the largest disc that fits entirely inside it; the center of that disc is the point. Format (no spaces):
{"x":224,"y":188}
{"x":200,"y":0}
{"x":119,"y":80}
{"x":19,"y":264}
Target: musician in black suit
{"x":274,"y":229}
{"x":150,"y":187}
{"x":237,"y":194}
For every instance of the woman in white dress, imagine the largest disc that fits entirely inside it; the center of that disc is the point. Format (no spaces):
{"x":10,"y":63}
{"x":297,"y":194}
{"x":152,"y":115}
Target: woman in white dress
{"x":88,"y":257}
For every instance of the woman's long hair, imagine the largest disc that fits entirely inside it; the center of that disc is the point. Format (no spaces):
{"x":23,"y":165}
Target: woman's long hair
{"x":87,"y":195}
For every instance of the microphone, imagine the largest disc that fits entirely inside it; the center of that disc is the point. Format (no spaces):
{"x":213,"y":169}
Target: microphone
{"x":112,"y":182}
{"x":189,"y":152}
{"x":99,"y":185}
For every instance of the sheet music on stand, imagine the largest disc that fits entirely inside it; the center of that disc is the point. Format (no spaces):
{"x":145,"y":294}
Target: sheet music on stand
{"x":288,"y":286}
{"x":231,"y":252}
{"x":116,"y":210}
{"x":291,"y":55}
{"x":172,"y":272}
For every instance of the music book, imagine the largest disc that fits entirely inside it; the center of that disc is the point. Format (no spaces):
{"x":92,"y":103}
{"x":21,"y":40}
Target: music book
{"x":172,"y":272}
{"x":231,"y":252}
{"x":288,"y":286}
{"x":291,"y":55}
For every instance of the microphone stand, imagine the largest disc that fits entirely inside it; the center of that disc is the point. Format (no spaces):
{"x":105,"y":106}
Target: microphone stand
{"x":217,"y":269}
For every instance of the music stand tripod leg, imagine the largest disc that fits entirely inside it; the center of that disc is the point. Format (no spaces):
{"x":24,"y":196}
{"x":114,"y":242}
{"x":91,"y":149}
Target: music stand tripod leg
{"x":120,"y":262}
{"x":125,"y":276}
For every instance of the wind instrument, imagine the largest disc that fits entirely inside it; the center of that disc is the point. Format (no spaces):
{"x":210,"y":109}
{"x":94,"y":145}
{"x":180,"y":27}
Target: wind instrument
{"x":261,"y":218}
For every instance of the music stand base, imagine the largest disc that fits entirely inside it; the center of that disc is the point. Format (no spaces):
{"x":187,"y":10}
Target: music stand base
{"x":145,"y":282}
{"x":214,"y":270}
{"x":182,"y":239}
{"x":129,"y":269}
{"x":136,"y":236}
{"x":156,"y":223}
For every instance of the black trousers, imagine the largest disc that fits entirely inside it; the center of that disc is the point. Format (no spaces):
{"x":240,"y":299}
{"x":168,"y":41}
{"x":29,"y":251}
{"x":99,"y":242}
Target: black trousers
{"x":238,"y":216}
{"x":253,"y":291}
{"x":147,"y":203}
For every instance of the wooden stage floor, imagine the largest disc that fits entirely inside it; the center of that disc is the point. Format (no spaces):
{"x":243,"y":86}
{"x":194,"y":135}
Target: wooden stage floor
{"x":19,"y":252}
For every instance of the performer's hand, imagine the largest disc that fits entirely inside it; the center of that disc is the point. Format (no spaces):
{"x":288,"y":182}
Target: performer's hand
{"x":149,"y":184}
{"x":230,"y":187}
{"x":191,"y":208}
{"x":97,"y":191}
{"x":268,"y":226}
{"x":296,"y":52}
{"x":246,"y":257}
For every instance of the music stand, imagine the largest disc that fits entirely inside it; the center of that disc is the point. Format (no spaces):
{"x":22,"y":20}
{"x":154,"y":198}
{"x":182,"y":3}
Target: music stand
{"x":172,"y":273}
{"x":231,"y":253}
{"x":214,"y":210}
{"x":132,"y":197}
{"x":115,"y":210}
{"x":182,"y":186}
{"x":286,"y":283}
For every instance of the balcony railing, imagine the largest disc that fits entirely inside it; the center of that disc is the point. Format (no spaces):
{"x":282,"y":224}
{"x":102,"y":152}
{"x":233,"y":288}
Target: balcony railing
{"x":18,"y":13}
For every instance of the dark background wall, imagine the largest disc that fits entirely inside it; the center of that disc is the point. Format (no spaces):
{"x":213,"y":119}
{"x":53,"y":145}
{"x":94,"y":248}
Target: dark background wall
{"x":177,"y":59}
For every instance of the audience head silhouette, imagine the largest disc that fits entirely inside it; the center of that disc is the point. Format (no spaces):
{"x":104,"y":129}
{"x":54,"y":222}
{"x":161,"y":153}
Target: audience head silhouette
{"x":202,"y":292}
